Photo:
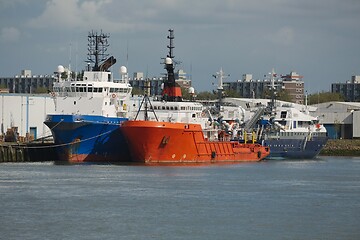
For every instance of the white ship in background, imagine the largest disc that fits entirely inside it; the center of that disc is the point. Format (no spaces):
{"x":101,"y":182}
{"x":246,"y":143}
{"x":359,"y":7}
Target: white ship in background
{"x":288,"y":131}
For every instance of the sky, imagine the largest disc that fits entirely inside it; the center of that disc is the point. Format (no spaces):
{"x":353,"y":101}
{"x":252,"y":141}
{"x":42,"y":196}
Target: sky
{"x":319,"y":39}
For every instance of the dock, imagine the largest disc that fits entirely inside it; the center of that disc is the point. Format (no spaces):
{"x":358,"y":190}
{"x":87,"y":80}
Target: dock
{"x":27,"y":152}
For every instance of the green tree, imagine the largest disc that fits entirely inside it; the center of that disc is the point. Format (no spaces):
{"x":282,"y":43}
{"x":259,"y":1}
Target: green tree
{"x":185,"y":93}
{"x":231,"y":93}
{"x":206,"y":96}
{"x":284,"y":95}
{"x":324,"y":97}
{"x":266,"y":93}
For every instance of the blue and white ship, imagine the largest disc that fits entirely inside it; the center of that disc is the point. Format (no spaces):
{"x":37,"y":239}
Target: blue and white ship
{"x":90,"y":108}
{"x":291,"y":134}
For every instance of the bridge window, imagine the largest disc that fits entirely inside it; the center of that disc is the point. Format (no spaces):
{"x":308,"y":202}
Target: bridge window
{"x":283,"y":114}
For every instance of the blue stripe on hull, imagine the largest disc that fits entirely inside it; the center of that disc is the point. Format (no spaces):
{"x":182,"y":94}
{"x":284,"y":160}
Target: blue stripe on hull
{"x":294,"y":148}
{"x":88,"y":138}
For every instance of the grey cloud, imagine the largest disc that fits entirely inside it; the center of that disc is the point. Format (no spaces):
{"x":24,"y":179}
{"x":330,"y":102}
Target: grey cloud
{"x":10,"y":34}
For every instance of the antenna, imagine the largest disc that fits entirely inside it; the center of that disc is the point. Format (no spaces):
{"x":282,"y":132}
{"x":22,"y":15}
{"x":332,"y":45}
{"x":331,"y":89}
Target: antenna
{"x":272,"y":91}
{"x":69,"y":72}
{"x":220,"y":75}
{"x":97,"y":47}
{"x":76,"y":56}
{"x":190,"y":71}
{"x":171,"y":90}
{"x":171,"y":46}
{"x":127,"y":53}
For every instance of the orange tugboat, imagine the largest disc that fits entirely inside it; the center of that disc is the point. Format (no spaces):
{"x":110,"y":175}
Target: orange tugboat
{"x":167,"y":142}
{"x":183,"y":132}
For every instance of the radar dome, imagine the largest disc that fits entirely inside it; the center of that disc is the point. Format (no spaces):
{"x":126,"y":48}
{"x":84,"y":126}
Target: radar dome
{"x":191,"y":90}
{"x":123,"y":70}
{"x":60,"y":69}
{"x":168,"y":60}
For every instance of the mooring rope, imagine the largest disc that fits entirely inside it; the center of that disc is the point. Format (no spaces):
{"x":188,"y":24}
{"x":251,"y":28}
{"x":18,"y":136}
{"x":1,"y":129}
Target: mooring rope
{"x":70,"y":143}
{"x":40,"y":138}
{"x":66,"y":144}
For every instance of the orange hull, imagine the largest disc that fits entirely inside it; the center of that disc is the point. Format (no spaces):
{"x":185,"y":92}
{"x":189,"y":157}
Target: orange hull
{"x":164,"y":142}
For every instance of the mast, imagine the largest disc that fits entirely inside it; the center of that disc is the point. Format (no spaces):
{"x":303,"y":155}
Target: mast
{"x":220,"y":89}
{"x":171,"y":46}
{"x":272,"y":91}
{"x":171,"y":91}
{"x":97,"y":51}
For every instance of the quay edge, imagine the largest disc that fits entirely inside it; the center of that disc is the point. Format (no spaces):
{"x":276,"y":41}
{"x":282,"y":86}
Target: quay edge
{"x":26,"y":152}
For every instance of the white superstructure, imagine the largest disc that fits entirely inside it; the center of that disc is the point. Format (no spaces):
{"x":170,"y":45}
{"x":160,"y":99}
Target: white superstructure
{"x":96,"y":93}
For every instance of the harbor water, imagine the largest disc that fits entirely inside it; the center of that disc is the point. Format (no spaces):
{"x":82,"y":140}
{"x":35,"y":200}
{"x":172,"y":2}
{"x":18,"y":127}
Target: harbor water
{"x":303,"y":199}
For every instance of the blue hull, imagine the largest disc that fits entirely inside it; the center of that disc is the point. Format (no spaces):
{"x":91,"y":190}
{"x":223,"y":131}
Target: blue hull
{"x":294,"y":148}
{"x":84,"y":138}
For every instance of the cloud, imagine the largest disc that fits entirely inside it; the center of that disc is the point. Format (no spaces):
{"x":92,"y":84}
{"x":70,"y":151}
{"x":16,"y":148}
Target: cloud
{"x":73,"y":14}
{"x":284,"y":36}
{"x":115,"y":16}
{"x":11,"y":3}
{"x":9,"y":34}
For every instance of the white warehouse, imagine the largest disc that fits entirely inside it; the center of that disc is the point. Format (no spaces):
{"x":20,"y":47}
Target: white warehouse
{"x":27,"y":112}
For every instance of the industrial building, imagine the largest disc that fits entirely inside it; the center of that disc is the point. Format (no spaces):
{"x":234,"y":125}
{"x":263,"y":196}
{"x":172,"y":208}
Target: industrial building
{"x":25,"y":113}
{"x":341,"y":119}
{"x":153,"y":86}
{"x":350,"y":90}
{"x":248,"y":87}
{"x":27,"y":83}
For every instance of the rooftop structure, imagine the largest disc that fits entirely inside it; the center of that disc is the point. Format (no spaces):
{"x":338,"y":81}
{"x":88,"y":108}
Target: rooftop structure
{"x":350,"y":89}
{"x":27,"y":83}
{"x":248,"y":87}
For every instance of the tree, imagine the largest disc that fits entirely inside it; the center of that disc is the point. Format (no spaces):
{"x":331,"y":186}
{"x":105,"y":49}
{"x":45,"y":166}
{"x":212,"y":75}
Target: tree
{"x":324,"y":97}
{"x":206,"y":96}
{"x":266,"y":93}
{"x":231,"y":93}
{"x":284,"y":95}
{"x":185,"y":93}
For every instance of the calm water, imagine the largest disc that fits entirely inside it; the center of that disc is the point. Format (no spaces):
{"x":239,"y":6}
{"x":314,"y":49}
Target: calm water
{"x":309,"y":199}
